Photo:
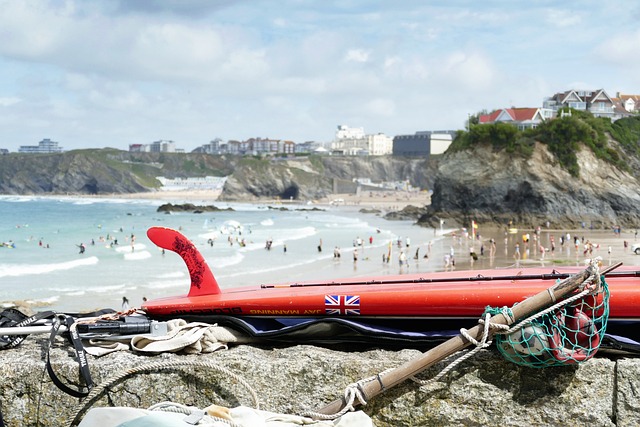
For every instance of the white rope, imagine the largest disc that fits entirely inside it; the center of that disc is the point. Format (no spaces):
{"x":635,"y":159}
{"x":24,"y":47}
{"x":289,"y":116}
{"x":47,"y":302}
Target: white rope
{"x":591,"y":285}
{"x":203,"y":419}
{"x":587,"y":287}
{"x":484,"y":342}
{"x":352,"y":392}
{"x":99,"y":390}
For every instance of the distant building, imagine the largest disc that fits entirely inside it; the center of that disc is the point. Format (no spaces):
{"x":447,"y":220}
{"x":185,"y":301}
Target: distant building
{"x":252,"y":146}
{"x":523,"y":118}
{"x":215,"y":146}
{"x":597,"y":102}
{"x":44,"y":146}
{"x":422,"y":143}
{"x":139,"y":148}
{"x":354,"y":142}
{"x":630,"y":103}
{"x":308,"y":147}
{"x":3,"y":151}
{"x":162,"y":146}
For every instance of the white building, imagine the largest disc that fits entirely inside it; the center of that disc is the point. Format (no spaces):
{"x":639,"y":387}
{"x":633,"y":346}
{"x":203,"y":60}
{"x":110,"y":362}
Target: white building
{"x":162,"y":146}
{"x":440,"y":142}
{"x":44,"y":146}
{"x":353,"y":142}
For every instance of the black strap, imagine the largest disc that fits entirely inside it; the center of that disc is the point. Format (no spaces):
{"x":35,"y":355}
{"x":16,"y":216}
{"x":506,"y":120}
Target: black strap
{"x":15,"y":318}
{"x":81,"y":357}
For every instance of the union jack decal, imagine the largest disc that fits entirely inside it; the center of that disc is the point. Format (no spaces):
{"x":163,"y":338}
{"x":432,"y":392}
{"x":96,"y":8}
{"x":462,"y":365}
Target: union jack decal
{"x":342,"y":304}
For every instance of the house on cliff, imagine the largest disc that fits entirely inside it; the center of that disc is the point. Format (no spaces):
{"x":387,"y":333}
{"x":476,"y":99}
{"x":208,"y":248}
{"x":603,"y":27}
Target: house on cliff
{"x":630,"y":103}
{"x":523,"y":118}
{"x":597,"y":102}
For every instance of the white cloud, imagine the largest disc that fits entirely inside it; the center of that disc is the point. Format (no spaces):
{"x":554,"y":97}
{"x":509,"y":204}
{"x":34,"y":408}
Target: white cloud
{"x":9,"y":101}
{"x":112,"y":72}
{"x":381,"y":107}
{"x":472,"y":70}
{"x":357,"y":55}
{"x":561,"y":18}
{"x":621,"y":48}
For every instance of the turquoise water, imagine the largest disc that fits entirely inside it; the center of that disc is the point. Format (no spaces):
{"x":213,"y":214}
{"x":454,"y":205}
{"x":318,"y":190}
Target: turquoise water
{"x":46,"y":267}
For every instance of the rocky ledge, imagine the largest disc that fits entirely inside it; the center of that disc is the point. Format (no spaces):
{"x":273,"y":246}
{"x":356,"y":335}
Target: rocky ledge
{"x":497,"y":187}
{"x":484,"y":390}
{"x":190,"y":207}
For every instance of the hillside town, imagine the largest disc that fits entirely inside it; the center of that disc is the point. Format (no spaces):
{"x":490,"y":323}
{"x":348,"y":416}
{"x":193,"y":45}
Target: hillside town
{"x":354,"y":141}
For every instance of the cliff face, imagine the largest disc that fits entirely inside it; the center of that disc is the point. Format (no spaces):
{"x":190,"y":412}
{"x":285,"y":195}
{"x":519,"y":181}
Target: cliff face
{"x":480,"y":184}
{"x":75,"y":173}
{"x":489,"y":186}
{"x":312,"y":178}
{"x":111,"y":171}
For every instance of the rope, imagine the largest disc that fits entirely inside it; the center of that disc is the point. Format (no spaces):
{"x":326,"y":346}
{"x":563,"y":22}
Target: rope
{"x":590,"y":286}
{"x":202,"y":417}
{"x":482,"y":344}
{"x":354,"y":391}
{"x":99,"y":390}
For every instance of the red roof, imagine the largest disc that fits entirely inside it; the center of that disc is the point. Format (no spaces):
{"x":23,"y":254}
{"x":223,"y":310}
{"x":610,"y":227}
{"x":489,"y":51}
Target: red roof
{"x":516,"y":114}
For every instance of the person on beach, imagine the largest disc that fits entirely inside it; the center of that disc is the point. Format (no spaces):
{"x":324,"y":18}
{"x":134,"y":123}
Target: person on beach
{"x":355,"y":255}
{"x":447,"y":262}
{"x":402,"y":259}
{"x":516,"y":254}
{"x":125,"y":304}
{"x":82,"y":248}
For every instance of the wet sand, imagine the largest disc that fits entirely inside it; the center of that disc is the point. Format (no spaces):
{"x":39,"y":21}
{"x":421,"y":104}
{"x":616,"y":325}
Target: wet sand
{"x":605,"y":243}
{"x":597,"y":243}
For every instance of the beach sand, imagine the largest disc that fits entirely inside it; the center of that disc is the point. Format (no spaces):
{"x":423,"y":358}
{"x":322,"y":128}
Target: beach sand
{"x":530,"y":255}
{"x":606,"y":244}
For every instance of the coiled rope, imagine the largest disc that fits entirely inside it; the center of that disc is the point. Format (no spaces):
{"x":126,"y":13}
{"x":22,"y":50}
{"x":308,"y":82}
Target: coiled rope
{"x":99,"y":390}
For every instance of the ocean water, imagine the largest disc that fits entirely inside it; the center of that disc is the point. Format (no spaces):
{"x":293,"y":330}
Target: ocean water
{"x":47,"y":270}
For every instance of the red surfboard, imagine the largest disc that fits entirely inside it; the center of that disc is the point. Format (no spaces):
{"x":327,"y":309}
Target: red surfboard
{"x":442,"y":295}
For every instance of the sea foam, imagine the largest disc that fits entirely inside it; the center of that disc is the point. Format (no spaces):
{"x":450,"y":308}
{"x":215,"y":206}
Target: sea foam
{"x":16,"y":270}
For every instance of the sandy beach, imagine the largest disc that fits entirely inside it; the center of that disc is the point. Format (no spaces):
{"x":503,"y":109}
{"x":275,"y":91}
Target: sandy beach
{"x":61,"y":278}
{"x":610,"y":246}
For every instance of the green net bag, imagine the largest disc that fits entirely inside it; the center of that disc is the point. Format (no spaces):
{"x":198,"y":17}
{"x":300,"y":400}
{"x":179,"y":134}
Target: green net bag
{"x":568,"y":334}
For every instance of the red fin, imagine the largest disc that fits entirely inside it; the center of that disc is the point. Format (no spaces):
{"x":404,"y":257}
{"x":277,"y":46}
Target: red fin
{"x":202,"y":280}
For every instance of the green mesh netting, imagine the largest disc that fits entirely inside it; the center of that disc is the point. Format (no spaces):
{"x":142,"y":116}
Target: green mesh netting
{"x":568,"y":335}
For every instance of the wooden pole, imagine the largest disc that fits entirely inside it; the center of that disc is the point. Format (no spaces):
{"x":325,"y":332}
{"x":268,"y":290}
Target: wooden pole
{"x":412,"y":367}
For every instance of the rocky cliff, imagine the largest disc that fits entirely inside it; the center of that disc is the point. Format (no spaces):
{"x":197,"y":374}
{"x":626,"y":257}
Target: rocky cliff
{"x":109,"y":171}
{"x":480,"y":183}
{"x":484,"y":390}
{"x":495,"y":186}
{"x":309,"y":178}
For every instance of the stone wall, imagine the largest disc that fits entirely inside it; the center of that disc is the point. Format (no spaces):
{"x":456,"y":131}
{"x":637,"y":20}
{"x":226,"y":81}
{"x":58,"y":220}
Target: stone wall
{"x":485,"y":390}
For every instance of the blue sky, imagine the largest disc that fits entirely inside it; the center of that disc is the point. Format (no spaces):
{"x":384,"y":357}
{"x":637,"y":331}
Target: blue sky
{"x":109,"y":73}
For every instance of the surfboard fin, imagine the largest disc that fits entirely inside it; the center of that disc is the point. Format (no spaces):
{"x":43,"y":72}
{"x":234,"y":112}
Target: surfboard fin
{"x":202,"y":280}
